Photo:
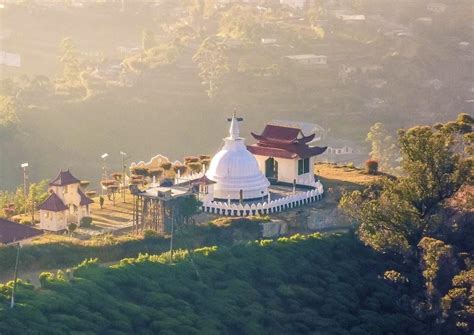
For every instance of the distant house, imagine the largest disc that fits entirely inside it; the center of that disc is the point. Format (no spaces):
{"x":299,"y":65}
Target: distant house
{"x":344,"y":151}
{"x":435,"y":84}
{"x":437,"y":7}
{"x":351,"y":18}
{"x":66,"y":203}
{"x":12,"y":232}
{"x":307,"y":59}
{"x":424,"y":21}
{"x":268,"y":40}
{"x":10,"y":59}
{"x":295,"y":4}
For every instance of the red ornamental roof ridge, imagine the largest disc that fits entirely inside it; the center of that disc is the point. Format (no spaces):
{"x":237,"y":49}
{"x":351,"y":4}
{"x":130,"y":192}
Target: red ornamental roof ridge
{"x":64,"y":178}
{"x":53,"y":203}
{"x":14,"y":232}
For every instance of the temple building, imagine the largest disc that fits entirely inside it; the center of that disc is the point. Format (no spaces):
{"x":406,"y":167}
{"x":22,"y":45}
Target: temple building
{"x":284,"y":155}
{"x":66,"y":203}
{"x":234,"y":172}
{"x":271,"y":176}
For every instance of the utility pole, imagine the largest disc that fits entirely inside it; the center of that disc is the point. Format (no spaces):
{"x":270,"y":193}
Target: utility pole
{"x":25,"y":185}
{"x":171,"y":239}
{"x":123,"y":154}
{"x":12,"y":303}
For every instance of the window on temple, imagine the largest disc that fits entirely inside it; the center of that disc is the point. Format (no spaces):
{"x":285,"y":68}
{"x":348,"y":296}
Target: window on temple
{"x":303,"y":166}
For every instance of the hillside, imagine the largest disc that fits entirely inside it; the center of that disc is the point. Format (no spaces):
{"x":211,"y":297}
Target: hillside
{"x":386,"y":70}
{"x":336,"y":287}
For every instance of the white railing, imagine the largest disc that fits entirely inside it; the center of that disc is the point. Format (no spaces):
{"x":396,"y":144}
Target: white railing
{"x":265,"y":208}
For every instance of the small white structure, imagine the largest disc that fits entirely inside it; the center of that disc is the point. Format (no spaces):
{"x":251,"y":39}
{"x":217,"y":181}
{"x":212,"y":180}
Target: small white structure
{"x":295,"y":4}
{"x":267,"y":40}
{"x":437,"y":7}
{"x":351,"y":18}
{"x":307,"y":59}
{"x":235,"y":170}
{"x":66,"y":203}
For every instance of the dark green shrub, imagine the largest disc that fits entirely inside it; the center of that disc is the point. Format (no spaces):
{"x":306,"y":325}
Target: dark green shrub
{"x":371,"y":167}
{"x":86,"y":222}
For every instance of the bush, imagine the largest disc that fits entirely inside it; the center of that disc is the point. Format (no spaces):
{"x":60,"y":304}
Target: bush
{"x":371,"y":167}
{"x":86,"y":222}
{"x":150,"y":234}
{"x":26,"y":222}
{"x":195,"y":167}
{"x":191,"y":159}
{"x":180,"y":168}
{"x":166,"y":166}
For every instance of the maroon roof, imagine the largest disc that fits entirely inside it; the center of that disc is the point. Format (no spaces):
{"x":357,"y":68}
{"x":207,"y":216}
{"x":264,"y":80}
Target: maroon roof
{"x":53,"y":203}
{"x":290,"y":151}
{"x":283,"y":142}
{"x":202,"y":181}
{"x":85,"y":200}
{"x":281,"y":134}
{"x":64,"y":178}
{"x":13,"y":232}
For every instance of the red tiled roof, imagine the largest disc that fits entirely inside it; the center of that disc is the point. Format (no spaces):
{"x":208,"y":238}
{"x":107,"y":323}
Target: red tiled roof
{"x":64,"y":178}
{"x":289,"y":151}
{"x":283,"y":142}
{"x":85,"y":200}
{"x":53,"y":203}
{"x":13,"y":232}
{"x":282,"y":134}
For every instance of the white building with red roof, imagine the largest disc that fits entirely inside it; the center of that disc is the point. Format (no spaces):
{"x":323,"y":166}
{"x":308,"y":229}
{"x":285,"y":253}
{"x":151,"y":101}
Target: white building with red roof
{"x":66,"y":203}
{"x":284,"y":155}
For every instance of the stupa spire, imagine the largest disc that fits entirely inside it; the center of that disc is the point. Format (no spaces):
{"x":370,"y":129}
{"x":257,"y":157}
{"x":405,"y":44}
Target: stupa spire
{"x":234,"y":130}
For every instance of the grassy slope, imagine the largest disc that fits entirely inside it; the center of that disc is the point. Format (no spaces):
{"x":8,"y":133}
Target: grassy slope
{"x":334,"y":287}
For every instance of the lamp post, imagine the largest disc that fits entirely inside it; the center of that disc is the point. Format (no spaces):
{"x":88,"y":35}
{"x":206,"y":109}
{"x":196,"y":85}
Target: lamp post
{"x":104,"y":170}
{"x":25,"y":179}
{"x":123,"y":154}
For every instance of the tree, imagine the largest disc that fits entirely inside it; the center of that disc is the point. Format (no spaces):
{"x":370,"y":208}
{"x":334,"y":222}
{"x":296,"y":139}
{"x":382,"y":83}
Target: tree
{"x":240,"y":23}
{"x":8,"y":116}
{"x":148,"y":39}
{"x":72,"y":65}
{"x":213,"y":64}
{"x":71,"y":228}
{"x":458,"y":303}
{"x":395,"y":214}
{"x":314,"y":12}
{"x":438,"y":266}
{"x":384,"y":149}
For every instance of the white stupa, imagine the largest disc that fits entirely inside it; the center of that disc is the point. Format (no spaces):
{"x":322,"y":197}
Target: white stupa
{"x":235,"y":170}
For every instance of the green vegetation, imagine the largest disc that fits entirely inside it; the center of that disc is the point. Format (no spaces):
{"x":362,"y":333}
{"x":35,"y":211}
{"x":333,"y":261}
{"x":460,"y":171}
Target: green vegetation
{"x":336,"y":286}
{"x":409,"y":218}
{"x":142,"y":61}
{"x":15,"y":203}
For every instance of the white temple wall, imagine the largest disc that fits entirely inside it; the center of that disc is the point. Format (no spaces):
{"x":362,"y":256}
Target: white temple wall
{"x":287,"y":169}
{"x":52,"y":221}
{"x":235,"y":194}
